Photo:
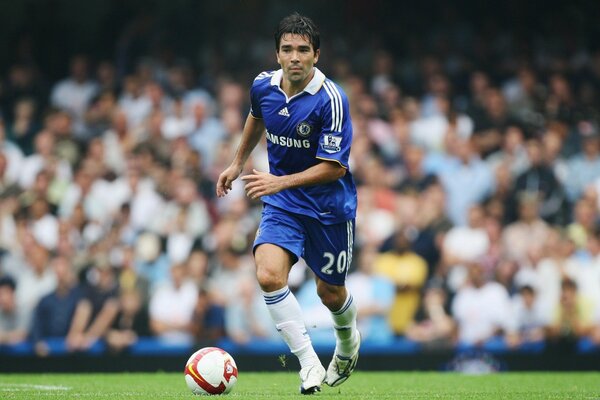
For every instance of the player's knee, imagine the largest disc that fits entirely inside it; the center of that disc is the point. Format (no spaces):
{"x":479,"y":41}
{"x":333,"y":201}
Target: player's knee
{"x":270,"y":280}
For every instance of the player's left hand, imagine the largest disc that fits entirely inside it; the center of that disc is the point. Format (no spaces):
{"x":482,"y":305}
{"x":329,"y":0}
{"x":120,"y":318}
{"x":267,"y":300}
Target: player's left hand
{"x":260,"y":184}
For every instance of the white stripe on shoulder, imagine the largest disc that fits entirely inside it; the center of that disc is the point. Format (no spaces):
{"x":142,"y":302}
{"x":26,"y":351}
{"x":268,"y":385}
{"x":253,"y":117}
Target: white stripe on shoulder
{"x":264,"y":75}
{"x":338,"y":98}
{"x":334,"y":111}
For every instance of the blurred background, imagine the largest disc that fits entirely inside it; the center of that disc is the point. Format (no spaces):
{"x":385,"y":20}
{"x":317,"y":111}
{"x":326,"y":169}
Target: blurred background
{"x":476,"y":154}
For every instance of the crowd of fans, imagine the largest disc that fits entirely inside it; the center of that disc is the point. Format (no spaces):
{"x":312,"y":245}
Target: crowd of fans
{"x":478,"y":208}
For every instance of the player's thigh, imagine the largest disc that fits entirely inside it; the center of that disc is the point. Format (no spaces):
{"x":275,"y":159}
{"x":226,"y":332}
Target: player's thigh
{"x":278,"y":245}
{"x":328,"y":250}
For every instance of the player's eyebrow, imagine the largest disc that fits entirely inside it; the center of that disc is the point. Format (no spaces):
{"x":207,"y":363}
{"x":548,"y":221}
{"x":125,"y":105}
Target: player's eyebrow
{"x":300,"y":47}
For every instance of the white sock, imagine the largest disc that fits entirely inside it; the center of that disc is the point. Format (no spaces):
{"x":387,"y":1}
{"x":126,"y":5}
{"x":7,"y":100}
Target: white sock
{"x":287,"y":316}
{"x":344,"y":322}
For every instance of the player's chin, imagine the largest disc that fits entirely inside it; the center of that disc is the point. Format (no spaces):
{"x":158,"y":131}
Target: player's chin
{"x":296,"y":75}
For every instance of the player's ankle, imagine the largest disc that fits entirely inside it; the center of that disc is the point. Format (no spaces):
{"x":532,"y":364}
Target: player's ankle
{"x":347,"y":347}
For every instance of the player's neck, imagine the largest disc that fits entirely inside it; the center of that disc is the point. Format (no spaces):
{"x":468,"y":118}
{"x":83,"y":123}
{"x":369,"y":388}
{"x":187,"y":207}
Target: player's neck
{"x":293,"y":88}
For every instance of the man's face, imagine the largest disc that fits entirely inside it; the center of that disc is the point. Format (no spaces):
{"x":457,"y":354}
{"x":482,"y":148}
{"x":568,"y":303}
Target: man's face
{"x":296,"y":57}
{"x":7,"y":299}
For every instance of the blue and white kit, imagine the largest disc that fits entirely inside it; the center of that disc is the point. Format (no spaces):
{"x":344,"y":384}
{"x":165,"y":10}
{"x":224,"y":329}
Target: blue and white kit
{"x":313,"y":222}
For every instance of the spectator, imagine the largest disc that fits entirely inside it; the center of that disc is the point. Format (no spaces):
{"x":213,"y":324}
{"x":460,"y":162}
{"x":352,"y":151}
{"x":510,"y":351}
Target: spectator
{"x":583,"y":266}
{"x":119,"y":141}
{"x":172,"y":307}
{"x":208,"y":322}
{"x":553,"y":142}
{"x":24,"y":124}
{"x":23,"y":81}
{"x":415,"y":179}
{"x":584,"y":223}
{"x":130,"y":323}
{"x":178,"y":123}
{"x":66,"y":147}
{"x":74,"y":94}
{"x":464,"y":244}
{"x":512,"y":153}
{"x":183,"y":220}
{"x":528,"y":315}
{"x":491,"y":122}
{"x":529,"y":230}
{"x":433,"y":326}
{"x":14,"y":320}
{"x":524,"y":95}
{"x":546,"y":274}
{"x":572,"y":318}
{"x":247,"y":318}
{"x":96,"y":310}
{"x":134,"y":104}
{"x":583,"y":168}
{"x":54,"y":313}
{"x":6,"y":182}
{"x":431,"y":132}
{"x":539,"y":179}
{"x":232,"y":266}
{"x":13,"y":154}
{"x":151,"y":263}
{"x":207,"y":132}
{"x":43,"y":158}
{"x":481,"y":308}
{"x":466,"y":179}
{"x":35,"y":278}
{"x":408,"y":272}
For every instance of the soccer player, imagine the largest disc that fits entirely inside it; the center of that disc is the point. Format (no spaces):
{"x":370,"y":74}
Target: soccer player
{"x":309,"y":196}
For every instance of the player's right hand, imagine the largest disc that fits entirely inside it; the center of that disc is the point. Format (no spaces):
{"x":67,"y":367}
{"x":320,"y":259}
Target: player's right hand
{"x":226,"y":179}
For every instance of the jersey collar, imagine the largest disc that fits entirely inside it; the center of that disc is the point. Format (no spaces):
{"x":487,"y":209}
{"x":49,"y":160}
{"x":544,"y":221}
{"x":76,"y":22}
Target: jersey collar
{"x":313,"y":86}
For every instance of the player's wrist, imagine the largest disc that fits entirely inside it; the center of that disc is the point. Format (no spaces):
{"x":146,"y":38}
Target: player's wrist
{"x":237,"y":164}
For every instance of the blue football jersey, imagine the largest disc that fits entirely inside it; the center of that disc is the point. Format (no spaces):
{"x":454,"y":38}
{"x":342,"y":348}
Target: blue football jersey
{"x":303,"y":130}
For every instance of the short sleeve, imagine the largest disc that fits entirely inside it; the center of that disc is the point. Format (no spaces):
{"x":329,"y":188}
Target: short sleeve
{"x":255,"y":91}
{"x":336,"y":134}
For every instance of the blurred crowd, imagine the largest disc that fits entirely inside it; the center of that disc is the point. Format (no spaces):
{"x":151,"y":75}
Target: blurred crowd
{"x":478,"y":204}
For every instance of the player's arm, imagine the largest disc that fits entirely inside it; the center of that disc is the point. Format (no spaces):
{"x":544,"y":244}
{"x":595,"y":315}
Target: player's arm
{"x":260,"y":184}
{"x":253,"y":130}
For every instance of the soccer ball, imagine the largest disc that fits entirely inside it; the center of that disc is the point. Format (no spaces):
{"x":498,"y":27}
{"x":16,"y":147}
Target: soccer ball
{"x":211,"y":370}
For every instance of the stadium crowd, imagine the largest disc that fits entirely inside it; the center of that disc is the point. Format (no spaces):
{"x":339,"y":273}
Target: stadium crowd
{"x":479,"y":199}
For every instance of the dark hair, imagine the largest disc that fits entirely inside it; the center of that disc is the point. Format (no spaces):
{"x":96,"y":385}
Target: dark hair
{"x":298,"y":25}
{"x":8,"y":281}
{"x":527,"y":288}
{"x":568,"y":283}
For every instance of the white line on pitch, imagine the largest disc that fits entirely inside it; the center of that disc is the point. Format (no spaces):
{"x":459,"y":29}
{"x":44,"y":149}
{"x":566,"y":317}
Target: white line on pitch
{"x":12,"y":387}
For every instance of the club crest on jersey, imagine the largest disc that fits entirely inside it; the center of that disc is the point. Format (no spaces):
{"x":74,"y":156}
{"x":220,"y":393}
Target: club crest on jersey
{"x":304,"y":129}
{"x":331,"y":144}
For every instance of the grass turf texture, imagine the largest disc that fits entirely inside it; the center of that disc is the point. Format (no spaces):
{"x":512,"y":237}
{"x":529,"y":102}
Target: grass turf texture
{"x":362,"y":385}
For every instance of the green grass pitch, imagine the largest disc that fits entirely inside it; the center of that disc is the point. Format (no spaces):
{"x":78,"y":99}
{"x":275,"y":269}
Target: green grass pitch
{"x":363,"y":385}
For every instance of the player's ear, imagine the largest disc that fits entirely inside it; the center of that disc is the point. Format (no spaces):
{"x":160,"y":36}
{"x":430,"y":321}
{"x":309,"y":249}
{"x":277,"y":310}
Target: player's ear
{"x":277,"y":55}
{"x":317,"y":54}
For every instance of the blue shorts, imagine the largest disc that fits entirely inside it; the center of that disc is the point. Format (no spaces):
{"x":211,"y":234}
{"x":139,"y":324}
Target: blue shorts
{"x":327,"y":249}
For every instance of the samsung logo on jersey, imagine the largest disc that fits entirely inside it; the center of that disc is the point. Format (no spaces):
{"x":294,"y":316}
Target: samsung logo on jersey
{"x":288,"y":142}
